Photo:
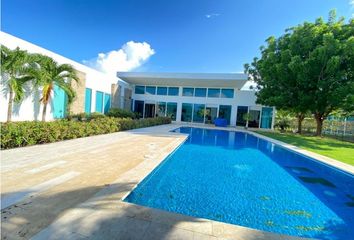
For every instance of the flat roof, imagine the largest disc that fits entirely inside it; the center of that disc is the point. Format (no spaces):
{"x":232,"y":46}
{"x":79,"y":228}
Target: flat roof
{"x":230,"y":80}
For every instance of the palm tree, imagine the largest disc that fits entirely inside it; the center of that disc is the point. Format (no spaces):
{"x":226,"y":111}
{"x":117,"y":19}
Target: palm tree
{"x":14,"y":69}
{"x":48,"y":73}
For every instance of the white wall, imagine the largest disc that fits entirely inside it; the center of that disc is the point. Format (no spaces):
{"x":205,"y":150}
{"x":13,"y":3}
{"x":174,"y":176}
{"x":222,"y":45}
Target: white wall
{"x":95,"y":80}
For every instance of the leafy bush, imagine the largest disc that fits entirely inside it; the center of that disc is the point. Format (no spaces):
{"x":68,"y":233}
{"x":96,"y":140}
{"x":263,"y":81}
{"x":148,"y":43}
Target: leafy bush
{"x":282,"y":120}
{"x":19,"y":134}
{"x":120,"y":113}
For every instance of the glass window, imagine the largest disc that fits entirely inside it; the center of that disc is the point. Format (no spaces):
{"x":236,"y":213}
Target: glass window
{"x":187,"y":112}
{"x":173,"y":91}
{"x":227,"y":93}
{"x":214,"y":92}
{"x":225,"y":112}
{"x":161,"y":90}
{"x":254,"y":118}
{"x":241,"y":113}
{"x":198,"y":113}
{"x":266,"y":118}
{"x":139,"y":89}
{"x":139,"y":108}
{"x":171,"y":110}
{"x":188,"y":92}
{"x":200,"y":92}
{"x":151,"y":90}
{"x":161,"y":109}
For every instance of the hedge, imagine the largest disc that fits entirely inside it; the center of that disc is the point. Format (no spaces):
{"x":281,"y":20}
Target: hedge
{"x":19,"y":134}
{"x":121,"y":113}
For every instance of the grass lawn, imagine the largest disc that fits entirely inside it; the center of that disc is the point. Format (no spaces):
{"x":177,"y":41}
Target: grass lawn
{"x":341,"y":151}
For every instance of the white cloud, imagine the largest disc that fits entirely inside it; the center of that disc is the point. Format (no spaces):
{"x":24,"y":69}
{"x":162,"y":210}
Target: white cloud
{"x":130,"y":56}
{"x":212,"y":15}
{"x":351,"y":2}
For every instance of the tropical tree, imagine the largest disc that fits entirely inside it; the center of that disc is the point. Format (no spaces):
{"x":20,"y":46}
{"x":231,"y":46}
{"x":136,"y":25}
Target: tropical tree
{"x":14,"y":69}
{"x":47,"y":73}
{"x":309,"y":68}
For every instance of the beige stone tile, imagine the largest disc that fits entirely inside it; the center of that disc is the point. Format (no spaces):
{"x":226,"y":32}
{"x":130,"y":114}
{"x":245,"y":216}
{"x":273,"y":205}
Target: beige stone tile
{"x":162,"y":231}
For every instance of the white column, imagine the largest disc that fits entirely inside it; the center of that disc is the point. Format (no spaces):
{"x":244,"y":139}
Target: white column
{"x":179,"y":111}
{"x":233,"y":115}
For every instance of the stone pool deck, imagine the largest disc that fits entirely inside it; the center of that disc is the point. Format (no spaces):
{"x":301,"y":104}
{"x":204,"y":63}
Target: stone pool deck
{"x":73,"y":190}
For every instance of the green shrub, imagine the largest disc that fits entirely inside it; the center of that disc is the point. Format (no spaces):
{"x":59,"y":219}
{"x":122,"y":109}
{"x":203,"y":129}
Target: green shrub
{"x":120,"y":113}
{"x":95,"y":115}
{"x":282,"y":120}
{"x":19,"y":134}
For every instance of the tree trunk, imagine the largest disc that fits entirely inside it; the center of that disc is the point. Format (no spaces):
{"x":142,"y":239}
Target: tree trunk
{"x":300,"y":118}
{"x":319,"y":122}
{"x":9,"y":106}
{"x":44,"y":112}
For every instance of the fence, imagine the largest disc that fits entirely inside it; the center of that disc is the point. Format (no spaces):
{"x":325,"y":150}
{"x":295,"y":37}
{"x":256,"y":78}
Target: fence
{"x":339,"y":128}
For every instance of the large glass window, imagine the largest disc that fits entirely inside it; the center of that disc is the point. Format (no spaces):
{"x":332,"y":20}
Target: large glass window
{"x":139,"y":89}
{"x":200,"y":92}
{"x":161,"y":90}
{"x":150,"y":90}
{"x":241,"y":111}
{"x":198,"y":113}
{"x":187,"y":110}
{"x":188,"y":92}
{"x":173,"y":91}
{"x":139,"y":108}
{"x":254,"y":118}
{"x":225,"y":112}
{"x":214,"y":92}
{"x":211,"y":114}
{"x":267,"y":116}
{"x":149,"y":110}
{"x":171,"y":110}
{"x":227,"y":93}
{"x":161,"y":109}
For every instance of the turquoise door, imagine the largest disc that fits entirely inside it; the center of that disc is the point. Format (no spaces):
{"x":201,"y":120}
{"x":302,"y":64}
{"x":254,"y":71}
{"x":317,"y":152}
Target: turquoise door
{"x":267,"y":116}
{"x":88,"y":98}
{"x":107,"y":102}
{"x":99,"y":102}
{"x":59,"y":103}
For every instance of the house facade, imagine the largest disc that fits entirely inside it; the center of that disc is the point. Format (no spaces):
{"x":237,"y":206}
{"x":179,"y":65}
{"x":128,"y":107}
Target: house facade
{"x":198,"y":98}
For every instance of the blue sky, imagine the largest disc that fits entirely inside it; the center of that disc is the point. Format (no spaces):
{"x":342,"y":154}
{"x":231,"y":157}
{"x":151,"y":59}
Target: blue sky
{"x":179,"y":36}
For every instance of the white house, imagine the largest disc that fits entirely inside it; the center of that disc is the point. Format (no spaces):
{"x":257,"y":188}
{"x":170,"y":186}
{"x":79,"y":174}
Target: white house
{"x":197,"y":98}
{"x":185,"y":97}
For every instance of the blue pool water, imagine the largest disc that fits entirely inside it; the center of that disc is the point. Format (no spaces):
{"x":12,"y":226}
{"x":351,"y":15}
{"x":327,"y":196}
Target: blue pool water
{"x":237,"y":178}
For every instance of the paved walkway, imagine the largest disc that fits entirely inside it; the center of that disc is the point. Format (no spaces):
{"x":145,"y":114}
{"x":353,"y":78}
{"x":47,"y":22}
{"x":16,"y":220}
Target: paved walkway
{"x":73,"y":190}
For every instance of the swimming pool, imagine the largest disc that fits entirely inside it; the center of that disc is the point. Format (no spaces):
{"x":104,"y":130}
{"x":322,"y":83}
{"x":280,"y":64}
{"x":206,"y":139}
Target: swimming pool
{"x":237,"y":178}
